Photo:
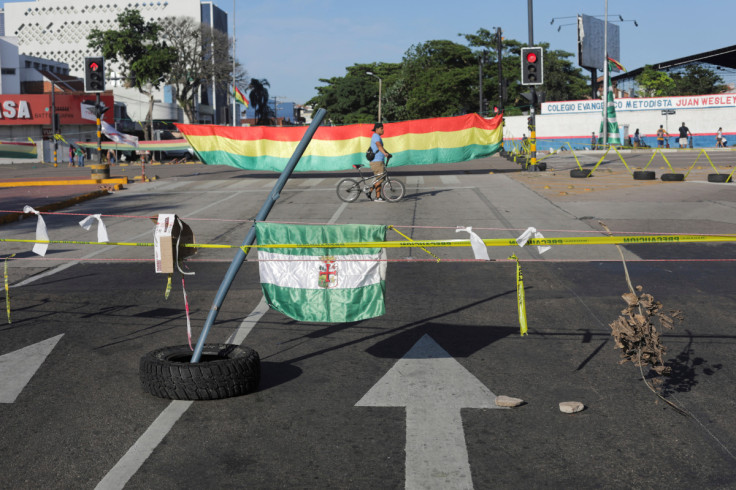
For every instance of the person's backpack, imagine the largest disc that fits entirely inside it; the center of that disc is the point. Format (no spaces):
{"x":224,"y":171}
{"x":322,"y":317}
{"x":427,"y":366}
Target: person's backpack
{"x":370,"y":154}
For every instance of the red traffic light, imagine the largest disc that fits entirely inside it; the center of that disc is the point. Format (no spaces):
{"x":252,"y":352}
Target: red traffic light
{"x":531,"y":57}
{"x":94,"y":66}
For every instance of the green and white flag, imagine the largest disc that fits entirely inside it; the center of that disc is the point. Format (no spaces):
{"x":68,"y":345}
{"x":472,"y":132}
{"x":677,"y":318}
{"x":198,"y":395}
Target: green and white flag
{"x":333,"y":285}
{"x":609,"y":116}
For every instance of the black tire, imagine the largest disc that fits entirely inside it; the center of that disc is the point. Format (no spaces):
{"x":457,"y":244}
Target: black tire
{"x":644,"y":175}
{"x":224,"y":371}
{"x":576,"y":173}
{"x":719,"y":178}
{"x":673,"y":177}
{"x":393,"y":190}
{"x":348,"y":190}
{"x":542,"y":166}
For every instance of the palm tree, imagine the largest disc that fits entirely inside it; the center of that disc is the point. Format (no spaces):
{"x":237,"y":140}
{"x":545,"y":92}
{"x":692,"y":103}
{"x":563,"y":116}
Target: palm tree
{"x":259,"y":100}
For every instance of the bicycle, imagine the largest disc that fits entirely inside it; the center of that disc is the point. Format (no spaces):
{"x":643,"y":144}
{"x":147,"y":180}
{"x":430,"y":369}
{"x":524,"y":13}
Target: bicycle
{"x":349,"y":189}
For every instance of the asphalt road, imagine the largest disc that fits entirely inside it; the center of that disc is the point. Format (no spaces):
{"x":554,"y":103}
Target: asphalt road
{"x":318,"y":420}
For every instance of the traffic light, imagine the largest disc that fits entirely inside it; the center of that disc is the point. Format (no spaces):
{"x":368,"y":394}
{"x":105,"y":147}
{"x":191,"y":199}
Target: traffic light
{"x":94,"y":74}
{"x":532,"y":69}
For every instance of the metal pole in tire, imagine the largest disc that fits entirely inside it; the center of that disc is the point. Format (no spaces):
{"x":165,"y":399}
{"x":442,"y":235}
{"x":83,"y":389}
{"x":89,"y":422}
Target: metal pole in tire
{"x":251,"y":236}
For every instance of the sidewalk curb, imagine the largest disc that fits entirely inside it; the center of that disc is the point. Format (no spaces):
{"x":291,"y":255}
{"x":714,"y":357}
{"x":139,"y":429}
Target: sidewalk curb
{"x":12,"y":217}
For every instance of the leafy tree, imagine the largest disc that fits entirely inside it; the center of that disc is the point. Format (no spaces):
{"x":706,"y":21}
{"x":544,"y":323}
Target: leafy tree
{"x":440,"y":78}
{"x":203,"y":54}
{"x":143,"y":58}
{"x":353,"y":99}
{"x":259,"y":101}
{"x":653,"y":83}
{"x":697,"y":79}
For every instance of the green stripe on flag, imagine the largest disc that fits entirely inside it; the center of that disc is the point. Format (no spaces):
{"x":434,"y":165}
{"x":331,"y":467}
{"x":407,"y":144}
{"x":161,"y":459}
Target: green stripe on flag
{"x":326,"y":305}
{"x":276,"y":233}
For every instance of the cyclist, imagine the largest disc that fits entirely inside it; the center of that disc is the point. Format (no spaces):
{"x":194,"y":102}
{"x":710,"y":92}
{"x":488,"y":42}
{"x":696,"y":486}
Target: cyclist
{"x":377,"y":165}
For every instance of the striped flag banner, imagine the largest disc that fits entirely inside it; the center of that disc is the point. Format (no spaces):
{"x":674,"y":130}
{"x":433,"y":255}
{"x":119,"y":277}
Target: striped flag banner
{"x":18,"y":149}
{"x":333,"y":285}
{"x":416,"y":142}
{"x":609,"y":117}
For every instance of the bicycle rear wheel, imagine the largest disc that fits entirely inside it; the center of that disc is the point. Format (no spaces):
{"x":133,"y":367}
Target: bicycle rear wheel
{"x":393,"y":190}
{"x":348,"y":190}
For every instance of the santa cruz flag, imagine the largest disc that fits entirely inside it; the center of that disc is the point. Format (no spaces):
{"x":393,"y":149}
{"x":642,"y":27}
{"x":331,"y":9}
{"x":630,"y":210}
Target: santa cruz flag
{"x":333,"y":285}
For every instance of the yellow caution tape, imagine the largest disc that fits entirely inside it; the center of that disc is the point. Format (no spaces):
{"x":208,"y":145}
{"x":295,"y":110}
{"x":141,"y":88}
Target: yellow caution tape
{"x":7,"y":287}
{"x":391,"y":227}
{"x":168,"y":288}
{"x":490,"y":242}
{"x":520,"y":298}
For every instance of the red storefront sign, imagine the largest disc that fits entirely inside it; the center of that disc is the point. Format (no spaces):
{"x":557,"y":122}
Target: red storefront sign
{"x":36,"y":109}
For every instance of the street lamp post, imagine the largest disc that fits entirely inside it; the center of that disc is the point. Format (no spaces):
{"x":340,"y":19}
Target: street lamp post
{"x":380,"y":82}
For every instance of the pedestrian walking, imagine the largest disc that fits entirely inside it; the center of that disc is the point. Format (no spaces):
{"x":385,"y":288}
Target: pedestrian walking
{"x":719,"y":138}
{"x":661,"y":134}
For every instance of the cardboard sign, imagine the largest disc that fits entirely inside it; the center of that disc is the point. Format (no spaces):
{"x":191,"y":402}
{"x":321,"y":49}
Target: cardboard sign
{"x":169,"y":231}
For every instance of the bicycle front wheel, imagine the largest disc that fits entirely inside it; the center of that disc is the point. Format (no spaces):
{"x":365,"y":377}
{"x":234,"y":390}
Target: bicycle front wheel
{"x":348,"y":190}
{"x":393,"y":190}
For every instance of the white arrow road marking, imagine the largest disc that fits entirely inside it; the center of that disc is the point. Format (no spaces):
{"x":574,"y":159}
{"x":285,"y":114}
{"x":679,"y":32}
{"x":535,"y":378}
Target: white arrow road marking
{"x":18,"y":367}
{"x":433,"y":387}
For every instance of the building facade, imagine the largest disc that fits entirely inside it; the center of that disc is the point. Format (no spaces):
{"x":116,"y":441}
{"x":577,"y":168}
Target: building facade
{"x":58,"y":29}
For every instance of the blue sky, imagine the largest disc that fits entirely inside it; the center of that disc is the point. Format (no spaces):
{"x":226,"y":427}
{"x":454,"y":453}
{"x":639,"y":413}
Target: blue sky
{"x":294,"y":43}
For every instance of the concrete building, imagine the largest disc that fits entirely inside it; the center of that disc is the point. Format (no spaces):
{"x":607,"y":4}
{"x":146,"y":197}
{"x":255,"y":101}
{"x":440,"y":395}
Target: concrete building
{"x":58,"y":29}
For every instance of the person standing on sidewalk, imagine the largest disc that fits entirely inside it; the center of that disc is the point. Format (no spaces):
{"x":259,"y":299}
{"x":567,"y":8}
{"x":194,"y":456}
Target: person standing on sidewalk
{"x":377,"y":165}
{"x":80,"y":156}
{"x":684,"y":132}
{"x":719,"y":138}
{"x":661,"y":133}
{"x":71,"y":156}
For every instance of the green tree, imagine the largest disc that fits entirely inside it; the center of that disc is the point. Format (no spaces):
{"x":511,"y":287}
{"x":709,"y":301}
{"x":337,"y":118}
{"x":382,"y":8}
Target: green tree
{"x":653,"y":83}
{"x":353,"y":98}
{"x":440,"y":79}
{"x":203,"y":54}
{"x":259,"y":100}
{"x":144,"y":60}
{"x":697,"y":79}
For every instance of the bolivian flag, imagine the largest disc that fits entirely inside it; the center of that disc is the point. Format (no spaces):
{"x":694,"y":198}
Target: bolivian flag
{"x":239,"y":97}
{"x":18,"y":149}
{"x":417,"y":142}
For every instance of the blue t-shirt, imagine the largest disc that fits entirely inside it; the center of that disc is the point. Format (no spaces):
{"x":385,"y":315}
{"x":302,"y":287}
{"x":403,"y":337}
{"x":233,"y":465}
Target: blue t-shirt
{"x":375,"y":139}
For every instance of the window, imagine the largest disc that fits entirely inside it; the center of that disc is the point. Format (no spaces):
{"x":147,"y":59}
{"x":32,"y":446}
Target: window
{"x":8,"y":71}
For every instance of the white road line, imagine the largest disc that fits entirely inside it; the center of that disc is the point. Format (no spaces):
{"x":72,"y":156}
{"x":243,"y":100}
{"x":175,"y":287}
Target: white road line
{"x":449,"y":179}
{"x":415,"y":180}
{"x":211,"y":183}
{"x":248,"y":323}
{"x":311,"y":182}
{"x":172,"y":186}
{"x":139,"y":452}
{"x":269,"y":183}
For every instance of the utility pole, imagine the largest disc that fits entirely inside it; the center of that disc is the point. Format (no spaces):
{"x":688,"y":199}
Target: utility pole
{"x":98,"y":113}
{"x":480,"y":83}
{"x":54,"y":127}
{"x":501,"y":84}
{"x":532,"y":167}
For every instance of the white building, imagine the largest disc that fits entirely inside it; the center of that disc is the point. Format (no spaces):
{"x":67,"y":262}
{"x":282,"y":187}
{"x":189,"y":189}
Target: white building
{"x":58,"y":29}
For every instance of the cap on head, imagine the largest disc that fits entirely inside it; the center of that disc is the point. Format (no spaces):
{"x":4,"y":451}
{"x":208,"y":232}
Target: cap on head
{"x":377,"y":126}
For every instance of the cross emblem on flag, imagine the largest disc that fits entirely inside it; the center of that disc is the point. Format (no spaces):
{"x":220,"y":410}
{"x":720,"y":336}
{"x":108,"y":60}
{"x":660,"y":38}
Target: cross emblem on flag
{"x":327,"y":273}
